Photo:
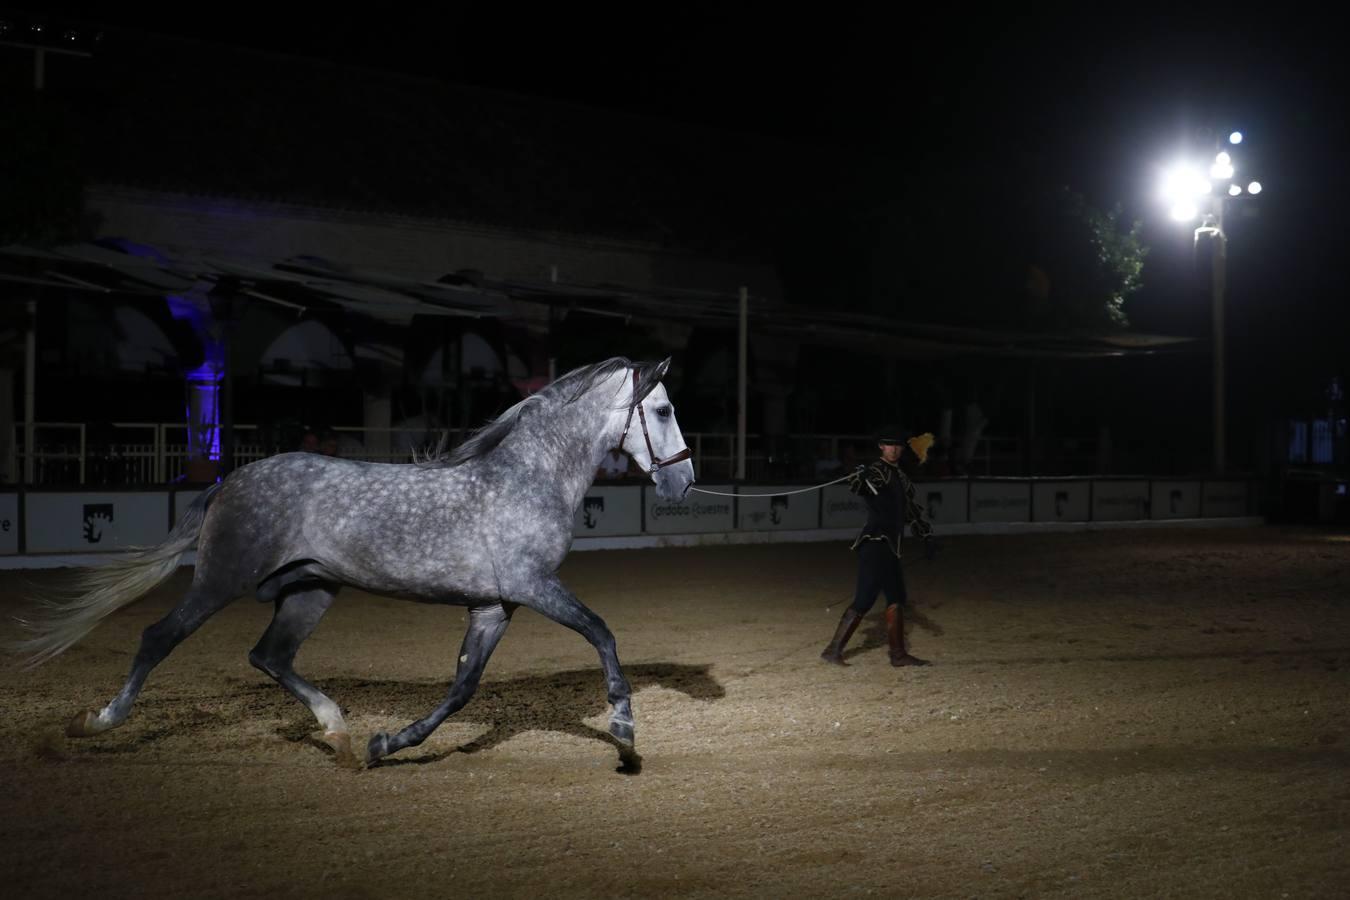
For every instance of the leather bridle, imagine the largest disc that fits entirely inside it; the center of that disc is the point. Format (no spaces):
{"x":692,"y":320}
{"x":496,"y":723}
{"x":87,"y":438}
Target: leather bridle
{"x":657,"y":463}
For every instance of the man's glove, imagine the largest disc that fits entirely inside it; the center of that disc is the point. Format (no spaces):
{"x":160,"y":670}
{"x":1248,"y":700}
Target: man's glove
{"x":930,"y":548}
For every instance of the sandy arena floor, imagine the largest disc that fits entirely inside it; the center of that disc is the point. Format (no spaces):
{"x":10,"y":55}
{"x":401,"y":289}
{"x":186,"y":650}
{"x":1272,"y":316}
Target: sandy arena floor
{"x":1125,"y":714}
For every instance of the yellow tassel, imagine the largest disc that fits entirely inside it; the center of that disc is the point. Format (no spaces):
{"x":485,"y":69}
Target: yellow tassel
{"x":920,"y":444}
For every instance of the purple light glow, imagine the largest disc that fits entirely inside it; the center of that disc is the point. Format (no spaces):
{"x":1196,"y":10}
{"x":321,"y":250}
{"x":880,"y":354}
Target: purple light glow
{"x":203,"y":413}
{"x":203,"y":405}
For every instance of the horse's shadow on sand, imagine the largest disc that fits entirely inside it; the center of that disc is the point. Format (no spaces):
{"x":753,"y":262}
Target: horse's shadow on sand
{"x":547,"y":701}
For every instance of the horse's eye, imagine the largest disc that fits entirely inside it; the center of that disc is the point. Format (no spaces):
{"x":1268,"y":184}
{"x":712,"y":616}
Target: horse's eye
{"x":663,"y":412}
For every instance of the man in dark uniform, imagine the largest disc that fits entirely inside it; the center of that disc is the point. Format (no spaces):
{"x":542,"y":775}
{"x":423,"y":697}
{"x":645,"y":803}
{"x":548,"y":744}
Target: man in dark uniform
{"x":886,"y":488}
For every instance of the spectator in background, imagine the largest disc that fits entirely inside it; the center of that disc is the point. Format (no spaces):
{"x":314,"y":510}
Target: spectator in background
{"x":309,"y":442}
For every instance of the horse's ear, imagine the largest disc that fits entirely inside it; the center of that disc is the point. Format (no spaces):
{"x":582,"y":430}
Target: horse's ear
{"x":661,"y":369}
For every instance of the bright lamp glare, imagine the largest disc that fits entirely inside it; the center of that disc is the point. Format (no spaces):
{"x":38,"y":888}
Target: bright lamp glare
{"x":1254,"y":187}
{"x":1184,"y":211}
{"x":1172,"y":182}
{"x":1221,"y":171}
{"x":1223,"y":159}
{"x":1183,"y":183}
{"x":1235,"y":138}
{"x":1234,"y":190}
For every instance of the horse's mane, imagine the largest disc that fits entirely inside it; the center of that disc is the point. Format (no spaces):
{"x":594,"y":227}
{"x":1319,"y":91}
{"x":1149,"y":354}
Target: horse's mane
{"x":563,"y":390}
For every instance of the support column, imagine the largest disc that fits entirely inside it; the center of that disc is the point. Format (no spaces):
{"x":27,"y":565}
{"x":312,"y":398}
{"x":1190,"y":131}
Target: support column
{"x":377,"y":415}
{"x":203,"y":419}
{"x":30,"y":393}
{"x":8,"y":457}
{"x":741,"y":383}
{"x":204,"y":395}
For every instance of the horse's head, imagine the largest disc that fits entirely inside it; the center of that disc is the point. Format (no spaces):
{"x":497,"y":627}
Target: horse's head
{"x":654,"y":439}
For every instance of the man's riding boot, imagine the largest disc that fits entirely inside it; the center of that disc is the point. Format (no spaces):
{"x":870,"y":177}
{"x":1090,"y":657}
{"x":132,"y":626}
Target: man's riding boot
{"x":847,"y":625}
{"x":895,"y":637}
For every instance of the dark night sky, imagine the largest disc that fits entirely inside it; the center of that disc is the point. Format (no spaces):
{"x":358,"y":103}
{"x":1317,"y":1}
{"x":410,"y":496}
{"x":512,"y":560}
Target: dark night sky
{"x":1097,"y":105}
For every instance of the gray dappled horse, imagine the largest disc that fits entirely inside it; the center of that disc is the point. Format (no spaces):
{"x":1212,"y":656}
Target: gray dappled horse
{"x":486,"y":527}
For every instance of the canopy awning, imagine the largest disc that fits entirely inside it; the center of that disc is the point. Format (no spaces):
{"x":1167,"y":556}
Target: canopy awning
{"x":311,"y":284}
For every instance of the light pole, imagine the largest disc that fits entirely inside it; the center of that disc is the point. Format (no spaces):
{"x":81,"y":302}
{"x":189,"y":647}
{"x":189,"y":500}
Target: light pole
{"x":1189,"y":193}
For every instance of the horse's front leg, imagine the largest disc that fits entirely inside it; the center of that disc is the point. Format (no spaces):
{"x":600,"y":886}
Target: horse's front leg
{"x":553,"y":600}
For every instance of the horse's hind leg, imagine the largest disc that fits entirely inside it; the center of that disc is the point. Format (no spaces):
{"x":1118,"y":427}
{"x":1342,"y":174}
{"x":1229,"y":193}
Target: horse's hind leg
{"x":487,"y":624}
{"x":157,"y":641}
{"x":297,"y":614}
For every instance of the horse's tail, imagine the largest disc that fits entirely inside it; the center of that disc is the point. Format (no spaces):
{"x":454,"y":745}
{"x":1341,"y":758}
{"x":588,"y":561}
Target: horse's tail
{"x":99,"y":591}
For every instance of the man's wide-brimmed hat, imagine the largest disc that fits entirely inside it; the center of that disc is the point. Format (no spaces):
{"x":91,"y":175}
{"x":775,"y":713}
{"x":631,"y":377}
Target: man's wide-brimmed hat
{"x":892,"y":434}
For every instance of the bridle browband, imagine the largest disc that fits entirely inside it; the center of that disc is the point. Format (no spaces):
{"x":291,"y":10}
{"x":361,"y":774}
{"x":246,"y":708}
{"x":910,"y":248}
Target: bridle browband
{"x":642,"y":417}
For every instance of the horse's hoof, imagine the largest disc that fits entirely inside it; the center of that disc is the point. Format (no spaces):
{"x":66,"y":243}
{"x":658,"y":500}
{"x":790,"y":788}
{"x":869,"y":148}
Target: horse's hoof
{"x":343,"y":755}
{"x":85,"y":724}
{"x":378,"y":748}
{"x":622,"y":731}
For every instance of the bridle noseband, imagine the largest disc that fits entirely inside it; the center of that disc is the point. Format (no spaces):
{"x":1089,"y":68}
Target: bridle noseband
{"x":642,"y":417}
